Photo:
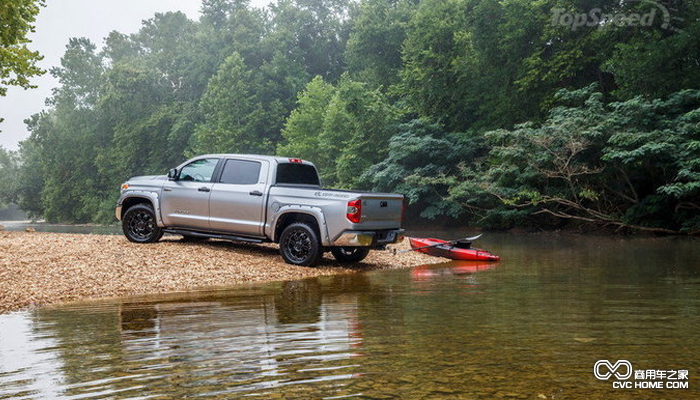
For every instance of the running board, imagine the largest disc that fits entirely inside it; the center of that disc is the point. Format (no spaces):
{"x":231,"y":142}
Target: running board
{"x":212,"y":235}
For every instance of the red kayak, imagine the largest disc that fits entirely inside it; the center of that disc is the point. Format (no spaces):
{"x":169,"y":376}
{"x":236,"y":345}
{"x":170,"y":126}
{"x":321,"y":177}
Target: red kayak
{"x":457,"y":251}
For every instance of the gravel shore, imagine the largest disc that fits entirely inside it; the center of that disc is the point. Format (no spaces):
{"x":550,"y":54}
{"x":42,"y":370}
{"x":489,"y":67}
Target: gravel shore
{"x":45,"y":268}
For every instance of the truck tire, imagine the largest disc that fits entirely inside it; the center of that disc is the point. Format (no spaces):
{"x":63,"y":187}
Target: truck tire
{"x":139,"y":224}
{"x":299,"y":245}
{"x":350,"y":254}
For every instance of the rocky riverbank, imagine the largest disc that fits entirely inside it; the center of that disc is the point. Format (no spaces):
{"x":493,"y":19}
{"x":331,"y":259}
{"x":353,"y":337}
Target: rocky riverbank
{"x":45,"y":268}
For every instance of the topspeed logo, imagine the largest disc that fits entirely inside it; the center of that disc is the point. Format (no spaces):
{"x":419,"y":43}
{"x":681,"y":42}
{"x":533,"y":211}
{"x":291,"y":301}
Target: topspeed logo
{"x":604,"y":369}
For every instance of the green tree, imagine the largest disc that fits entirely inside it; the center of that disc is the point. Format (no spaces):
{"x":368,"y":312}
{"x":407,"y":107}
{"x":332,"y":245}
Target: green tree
{"x":30,"y":180}
{"x":17,"y":62}
{"x":359,"y":123}
{"x":9,"y":170}
{"x":63,"y":141}
{"x":377,"y":33}
{"x":661,"y":59}
{"x":629,"y":164}
{"x":421,"y":163}
{"x":229,"y":106}
{"x":463,"y":59}
{"x":311,"y":32}
{"x":302,"y":131}
{"x":565,"y":56}
{"x":80,"y":76}
{"x":343,"y":129}
{"x":450,"y":102}
{"x":148,"y":105}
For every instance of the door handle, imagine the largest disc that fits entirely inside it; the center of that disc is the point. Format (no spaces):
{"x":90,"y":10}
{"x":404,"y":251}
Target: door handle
{"x":167,"y":190}
{"x":256,"y":193}
{"x":204,"y":189}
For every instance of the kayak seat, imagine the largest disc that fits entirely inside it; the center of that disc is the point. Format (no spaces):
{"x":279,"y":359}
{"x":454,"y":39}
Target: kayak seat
{"x":463,"y":244}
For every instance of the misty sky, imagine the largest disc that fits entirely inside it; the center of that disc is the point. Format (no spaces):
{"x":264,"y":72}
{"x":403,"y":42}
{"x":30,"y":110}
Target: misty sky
{"x":63,"y":19}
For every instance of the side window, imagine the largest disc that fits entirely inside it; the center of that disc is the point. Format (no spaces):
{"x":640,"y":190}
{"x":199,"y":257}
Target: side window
{"x":240,"y":172}
{"x":199,"y":171}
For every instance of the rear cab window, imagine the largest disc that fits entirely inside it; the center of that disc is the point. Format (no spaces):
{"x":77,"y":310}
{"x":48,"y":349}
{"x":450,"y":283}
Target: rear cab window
{"x":297,"y":174}
{"x":241,"y":172}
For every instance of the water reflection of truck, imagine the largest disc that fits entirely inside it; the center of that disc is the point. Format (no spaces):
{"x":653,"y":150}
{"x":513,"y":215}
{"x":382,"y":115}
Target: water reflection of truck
{"x":260,"y":199}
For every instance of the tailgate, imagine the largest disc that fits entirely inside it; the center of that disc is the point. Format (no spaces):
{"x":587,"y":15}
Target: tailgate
{"x":381,"y":211}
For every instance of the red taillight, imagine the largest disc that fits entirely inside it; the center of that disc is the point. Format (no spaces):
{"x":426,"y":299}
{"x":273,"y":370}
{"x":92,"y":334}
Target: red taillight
{"x":296,"y":160}
{"x":354,"y":212}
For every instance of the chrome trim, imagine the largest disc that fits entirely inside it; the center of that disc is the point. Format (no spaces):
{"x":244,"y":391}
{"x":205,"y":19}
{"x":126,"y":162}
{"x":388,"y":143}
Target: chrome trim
{"x":365,"y":238}
{"x":354,"y":239}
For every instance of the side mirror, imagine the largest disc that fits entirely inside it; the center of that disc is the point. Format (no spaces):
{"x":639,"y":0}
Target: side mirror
{"x":173,"y":174}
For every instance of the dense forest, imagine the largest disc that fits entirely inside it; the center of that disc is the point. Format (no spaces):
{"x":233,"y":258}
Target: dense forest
{"x":492,"y":113}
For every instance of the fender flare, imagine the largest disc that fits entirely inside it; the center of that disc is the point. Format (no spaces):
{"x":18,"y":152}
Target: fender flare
{"x":315,"y":212}
{"x":150,"y":196}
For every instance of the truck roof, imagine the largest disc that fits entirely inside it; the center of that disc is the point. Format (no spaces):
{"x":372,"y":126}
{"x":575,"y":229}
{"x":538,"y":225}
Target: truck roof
{"x":252,"y":156}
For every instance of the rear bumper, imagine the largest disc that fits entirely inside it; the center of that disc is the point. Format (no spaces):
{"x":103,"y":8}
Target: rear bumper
{"x":368,"y":238}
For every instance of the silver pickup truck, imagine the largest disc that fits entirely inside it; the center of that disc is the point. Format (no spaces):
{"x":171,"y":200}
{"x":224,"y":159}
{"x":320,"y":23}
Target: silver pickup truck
{"x":256,"y":198}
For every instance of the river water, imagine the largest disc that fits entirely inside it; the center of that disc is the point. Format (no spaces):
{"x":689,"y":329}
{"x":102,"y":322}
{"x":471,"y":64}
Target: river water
{"x":531,"y":326}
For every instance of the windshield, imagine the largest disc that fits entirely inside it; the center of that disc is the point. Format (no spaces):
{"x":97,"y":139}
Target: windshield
{"x":298,"y":174}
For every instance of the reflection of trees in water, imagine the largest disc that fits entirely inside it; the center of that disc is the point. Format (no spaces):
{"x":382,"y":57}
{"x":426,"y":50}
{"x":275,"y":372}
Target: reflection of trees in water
{"x":215,"y":342}
{"x":299,"y":301}
{"x":139,"y":319}
{"x":352,"y":283}
{"x":84,"y":343}
{"x":385,"y":335}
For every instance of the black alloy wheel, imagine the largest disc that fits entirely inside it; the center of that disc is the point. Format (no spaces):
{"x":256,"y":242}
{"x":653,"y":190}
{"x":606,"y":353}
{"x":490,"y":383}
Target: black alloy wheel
{"x":139,"y":224}
{"x":299,"y":245}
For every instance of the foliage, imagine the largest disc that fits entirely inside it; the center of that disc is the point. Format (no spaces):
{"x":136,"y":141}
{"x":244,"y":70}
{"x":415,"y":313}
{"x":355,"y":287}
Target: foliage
{"x":145,"y":101}
{"x":378,"y":31}
{"x":302,"y":132}
{"x":9,"y":169}
{"x":488,"y":112}
{"x":629,"y":164}
{"x":421,"y":163}
{"x":463,"y":58}
{"x":17,"y":62}
{"x":658,"y":62}
{"x":230,"y":110}
{"x":343,"y":129}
